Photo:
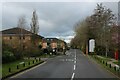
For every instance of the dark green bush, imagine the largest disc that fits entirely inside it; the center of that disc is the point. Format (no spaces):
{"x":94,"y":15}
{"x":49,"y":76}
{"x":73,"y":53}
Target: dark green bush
{"x":8,"y":56}
{"x":32,"y":52}
{"x":40,"y":46}
{"x":6,"y":47}
{"x":100,"y":50}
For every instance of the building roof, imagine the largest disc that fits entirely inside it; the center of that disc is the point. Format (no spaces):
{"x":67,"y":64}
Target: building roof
{"x":53,"y":39}
{"x":18,"y":31}
{"x":15,"y":30}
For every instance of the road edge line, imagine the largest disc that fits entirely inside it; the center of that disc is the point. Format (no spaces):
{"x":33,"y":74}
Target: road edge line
{"x":27,"y":70}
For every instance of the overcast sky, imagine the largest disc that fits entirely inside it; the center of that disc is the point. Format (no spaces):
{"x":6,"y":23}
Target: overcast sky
{"x":56,"y":19}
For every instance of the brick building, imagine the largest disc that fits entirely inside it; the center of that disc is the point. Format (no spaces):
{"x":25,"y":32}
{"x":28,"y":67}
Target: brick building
{"x":17,"y":37}
{"x":53,"y":43}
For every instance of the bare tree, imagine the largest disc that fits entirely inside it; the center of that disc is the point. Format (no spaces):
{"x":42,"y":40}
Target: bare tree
{"x":22,"y":25}
{"x":34,"y":23}
{"x":22,"y":22}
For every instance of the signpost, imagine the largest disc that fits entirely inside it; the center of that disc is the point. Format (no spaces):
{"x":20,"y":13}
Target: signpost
{"x":91,"y":45}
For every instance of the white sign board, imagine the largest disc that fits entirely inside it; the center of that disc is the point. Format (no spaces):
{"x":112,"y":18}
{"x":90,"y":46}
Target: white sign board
{"x":91,"y":45}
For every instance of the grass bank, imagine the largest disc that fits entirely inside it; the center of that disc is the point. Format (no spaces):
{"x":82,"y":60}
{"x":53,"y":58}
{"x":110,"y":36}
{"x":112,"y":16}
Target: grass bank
{"x":104,"y":63}
{"x":9,"y":69}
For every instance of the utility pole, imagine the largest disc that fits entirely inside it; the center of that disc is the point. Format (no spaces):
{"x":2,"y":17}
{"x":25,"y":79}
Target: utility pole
{"x":106,"y":48}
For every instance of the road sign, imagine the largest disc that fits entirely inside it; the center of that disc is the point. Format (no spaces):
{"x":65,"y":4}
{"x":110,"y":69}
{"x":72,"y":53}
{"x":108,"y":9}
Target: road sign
{"x":91,"y":45}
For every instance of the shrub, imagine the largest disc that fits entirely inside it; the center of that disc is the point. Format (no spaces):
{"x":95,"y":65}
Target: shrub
{"x":100,"y":50}
{"x":6,"y":47}
{"x":32,"y":52}
{"x":8,"y":56}
{"x":18,"y":53}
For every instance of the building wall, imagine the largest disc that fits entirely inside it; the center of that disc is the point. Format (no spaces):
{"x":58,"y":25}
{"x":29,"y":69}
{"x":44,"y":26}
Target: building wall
{"x":17,"y":41}
{"x":54,"y":45}
{"x":44,"y":45}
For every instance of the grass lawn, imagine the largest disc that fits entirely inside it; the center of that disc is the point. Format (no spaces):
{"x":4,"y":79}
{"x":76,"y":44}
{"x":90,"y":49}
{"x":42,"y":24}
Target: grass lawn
{"x":117,"y":62}
{"x":13,"y":66}
{"x":107,"y":66}
{"x":106,"y":58}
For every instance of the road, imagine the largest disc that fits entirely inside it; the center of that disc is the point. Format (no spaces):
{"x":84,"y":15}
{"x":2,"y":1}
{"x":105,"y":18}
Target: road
{"x":73,"y":65}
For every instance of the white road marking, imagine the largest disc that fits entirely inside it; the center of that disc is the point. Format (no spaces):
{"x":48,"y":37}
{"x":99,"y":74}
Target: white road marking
{"x":72,"y":76}
{"x":69,"y":60}
{"x":75,"y":54}
{"x":75,"y":62}
{"x":75,"y":59}
{"x":74,"y":67}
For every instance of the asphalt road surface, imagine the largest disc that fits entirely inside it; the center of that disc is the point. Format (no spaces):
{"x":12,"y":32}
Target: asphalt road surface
{"x":73,"y":65}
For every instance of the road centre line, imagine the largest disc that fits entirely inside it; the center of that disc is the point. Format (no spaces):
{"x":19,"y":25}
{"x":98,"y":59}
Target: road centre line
{"x":74,"y":67}
{"x":75,"y":59}
{"x":75,"y":54}
{"x":75,"y":62}
{"x":72,"y":76}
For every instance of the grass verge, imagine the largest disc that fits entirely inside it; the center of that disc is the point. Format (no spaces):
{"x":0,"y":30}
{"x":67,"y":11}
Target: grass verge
{"x":103,"y":63}
{"x":12,"y":68}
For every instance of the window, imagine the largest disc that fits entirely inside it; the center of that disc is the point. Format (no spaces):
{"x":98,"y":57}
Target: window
{"x":10,"y":37}
{"x":23,"y":37}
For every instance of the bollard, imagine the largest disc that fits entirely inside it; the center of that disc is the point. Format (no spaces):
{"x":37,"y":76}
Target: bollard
{"x":106,"y":63}
{"x":17,"y":67}
{"x":28,"y":63}
{"x":24,"y":65}
{"x":9,"y":69}
{"x":115,"y":68}
{"x":110,"y":65}
{"x":33,"y":61}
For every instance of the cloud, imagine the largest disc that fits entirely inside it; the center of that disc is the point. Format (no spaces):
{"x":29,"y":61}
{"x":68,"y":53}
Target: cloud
{"x":60,"y":0}
{"x":46,"y":25}
{"x":56,"y":19}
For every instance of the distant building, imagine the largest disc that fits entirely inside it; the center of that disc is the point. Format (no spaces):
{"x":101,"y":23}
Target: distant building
{"x":53,"y":43}
{"x":17,"y":37}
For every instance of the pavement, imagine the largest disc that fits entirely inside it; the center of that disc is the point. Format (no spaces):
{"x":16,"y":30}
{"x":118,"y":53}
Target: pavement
{"x":72,"y":65}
